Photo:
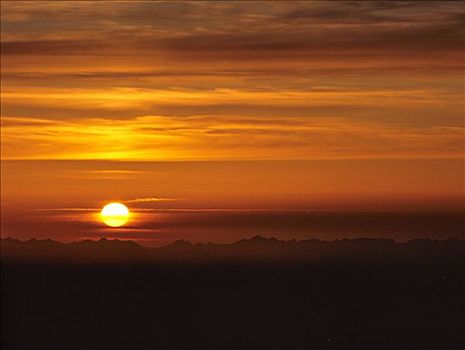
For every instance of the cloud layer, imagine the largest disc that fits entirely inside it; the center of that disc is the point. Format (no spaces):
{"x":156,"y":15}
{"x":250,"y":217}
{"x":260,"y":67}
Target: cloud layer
{"x":232,"y":80}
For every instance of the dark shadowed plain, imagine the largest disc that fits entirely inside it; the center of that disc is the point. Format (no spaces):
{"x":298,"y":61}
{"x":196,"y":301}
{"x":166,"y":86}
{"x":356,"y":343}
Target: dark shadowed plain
{"x":254,"y":293}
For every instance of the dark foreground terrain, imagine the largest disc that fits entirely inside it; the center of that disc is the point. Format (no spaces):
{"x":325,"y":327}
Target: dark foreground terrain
{"x":336,"y":296}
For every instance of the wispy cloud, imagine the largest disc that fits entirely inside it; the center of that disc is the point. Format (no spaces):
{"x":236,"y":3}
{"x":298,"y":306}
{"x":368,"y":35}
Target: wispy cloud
{"x":228,"y":137}
{"x":150,"y":200}
{"x":68,"y":209}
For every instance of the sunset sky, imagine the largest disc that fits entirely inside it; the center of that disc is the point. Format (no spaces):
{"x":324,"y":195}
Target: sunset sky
{"x":209,"y":111}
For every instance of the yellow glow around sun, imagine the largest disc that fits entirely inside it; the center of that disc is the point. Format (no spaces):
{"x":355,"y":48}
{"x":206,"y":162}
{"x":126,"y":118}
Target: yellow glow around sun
{"x":115,"y":214}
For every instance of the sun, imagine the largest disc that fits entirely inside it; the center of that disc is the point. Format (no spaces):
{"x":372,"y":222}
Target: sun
{"x":115,"y":214}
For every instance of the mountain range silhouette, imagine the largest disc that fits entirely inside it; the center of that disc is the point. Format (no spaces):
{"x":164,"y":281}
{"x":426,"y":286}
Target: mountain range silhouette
{"x":254,"y":248}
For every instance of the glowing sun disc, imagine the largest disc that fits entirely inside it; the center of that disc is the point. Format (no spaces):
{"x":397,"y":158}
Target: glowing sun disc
{"x":115,"y":214}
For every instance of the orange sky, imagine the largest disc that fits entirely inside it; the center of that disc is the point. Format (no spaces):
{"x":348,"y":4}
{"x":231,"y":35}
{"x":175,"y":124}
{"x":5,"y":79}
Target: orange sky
{"x":363,"y":101}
